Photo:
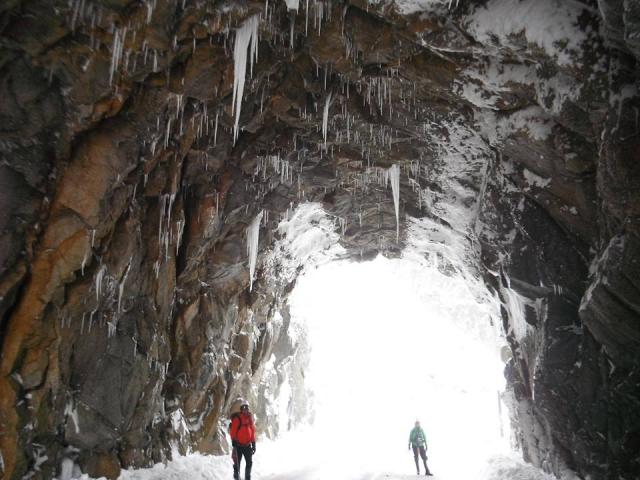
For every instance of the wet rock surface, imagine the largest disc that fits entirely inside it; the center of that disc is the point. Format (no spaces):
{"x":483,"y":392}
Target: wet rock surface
{"x":127,"y":322}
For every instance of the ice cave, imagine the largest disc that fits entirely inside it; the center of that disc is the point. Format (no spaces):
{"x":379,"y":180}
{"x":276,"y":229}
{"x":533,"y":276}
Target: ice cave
{"x":335,"y":218}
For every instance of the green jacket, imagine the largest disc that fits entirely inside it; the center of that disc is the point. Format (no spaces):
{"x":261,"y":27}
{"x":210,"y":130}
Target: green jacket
{"x":417,"y":438}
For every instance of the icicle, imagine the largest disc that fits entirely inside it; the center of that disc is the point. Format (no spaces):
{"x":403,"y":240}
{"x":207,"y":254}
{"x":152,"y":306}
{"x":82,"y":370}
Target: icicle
{"x":179,"y":235}
{"x":394,"y":177}
{"x":84,"y":262}
{"x":291,"y":33}
{"x":150,"y":5}
{"x":246,"y":36}
{"x":99,"y":278}
{"x":293,"y":4}
{"x":121,"y":287}
{"x":114,"y":55}
{"x":343,"y":225}
{"x":253,"y":233}
{"x":215,"y":130}
{"x":111,"y":329}
{"x":325,"y":119}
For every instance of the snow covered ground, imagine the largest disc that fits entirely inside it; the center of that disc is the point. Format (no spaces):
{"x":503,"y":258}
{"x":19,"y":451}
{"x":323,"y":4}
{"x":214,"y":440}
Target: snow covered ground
{"x":207,"y":467}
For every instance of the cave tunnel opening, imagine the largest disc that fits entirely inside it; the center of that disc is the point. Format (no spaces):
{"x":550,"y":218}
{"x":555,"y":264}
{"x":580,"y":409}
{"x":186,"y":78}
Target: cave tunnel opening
{"x":392,"y":341}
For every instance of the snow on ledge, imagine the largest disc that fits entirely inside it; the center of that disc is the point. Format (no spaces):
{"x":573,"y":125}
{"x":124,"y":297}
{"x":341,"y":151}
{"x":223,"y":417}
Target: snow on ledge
{"x":551,"y":25}
{"x":408,"y":7}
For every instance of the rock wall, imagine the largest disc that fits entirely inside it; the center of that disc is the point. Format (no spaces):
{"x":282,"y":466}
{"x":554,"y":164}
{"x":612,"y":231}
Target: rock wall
{"x":127,"y":322}
{"x":127,"y":325}
{"x":573,"y":272}
{"x":575,"y":362}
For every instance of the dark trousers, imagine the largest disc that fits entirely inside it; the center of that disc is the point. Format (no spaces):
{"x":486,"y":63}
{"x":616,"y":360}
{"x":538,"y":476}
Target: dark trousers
{"x":423,"y":453}
{"x":236,"y":455}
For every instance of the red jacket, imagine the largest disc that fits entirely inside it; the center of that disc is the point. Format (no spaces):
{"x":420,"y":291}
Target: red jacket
{"x":242,"y":430}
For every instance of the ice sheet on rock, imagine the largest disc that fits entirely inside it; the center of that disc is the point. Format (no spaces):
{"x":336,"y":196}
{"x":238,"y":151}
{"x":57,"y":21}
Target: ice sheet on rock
{"x":429,"y":245}
{"x":253,"y":237}
{"x":308,"y":238}
{"x":515,"y":304}
{"x":462,"y":159}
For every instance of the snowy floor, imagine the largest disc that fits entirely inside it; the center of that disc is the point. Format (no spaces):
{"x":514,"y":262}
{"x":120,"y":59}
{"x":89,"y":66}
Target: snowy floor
{"x":303,"y":456}
{"x":204,"y":467}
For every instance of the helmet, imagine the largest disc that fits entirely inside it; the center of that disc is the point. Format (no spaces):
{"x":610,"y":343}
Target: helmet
{"x":236,"y":405}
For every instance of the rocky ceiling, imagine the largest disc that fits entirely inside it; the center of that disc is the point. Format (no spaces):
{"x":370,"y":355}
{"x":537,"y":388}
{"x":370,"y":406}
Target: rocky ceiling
{"x":135,"y":159}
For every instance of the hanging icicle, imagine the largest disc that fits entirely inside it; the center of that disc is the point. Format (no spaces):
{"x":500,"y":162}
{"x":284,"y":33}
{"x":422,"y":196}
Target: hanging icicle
{"x":394,"y":178}
{"x":325,"y":119}
{"x":246,"y":36}
{"x":253,"y":232}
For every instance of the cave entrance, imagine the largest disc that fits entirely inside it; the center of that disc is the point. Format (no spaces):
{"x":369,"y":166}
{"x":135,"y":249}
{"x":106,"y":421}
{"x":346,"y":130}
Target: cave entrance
{"x":392,"y":341}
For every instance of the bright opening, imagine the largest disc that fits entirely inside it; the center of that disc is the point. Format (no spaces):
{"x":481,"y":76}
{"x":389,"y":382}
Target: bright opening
{"x":392,"y":342}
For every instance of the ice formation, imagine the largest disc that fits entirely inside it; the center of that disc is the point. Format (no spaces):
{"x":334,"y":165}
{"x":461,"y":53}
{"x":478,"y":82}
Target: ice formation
{"x":116,"y":54}
{"x":246,"y":37}
{"x":121,"y":287}
{"x":253,"y":233}
{"x":394,"y":177}
{"x":293,"y":4}
{"x":99,"y":280}
{"x":325,"y":119}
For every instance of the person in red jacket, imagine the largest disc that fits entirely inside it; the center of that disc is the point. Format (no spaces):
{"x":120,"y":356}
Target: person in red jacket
{"x":243,"y":441}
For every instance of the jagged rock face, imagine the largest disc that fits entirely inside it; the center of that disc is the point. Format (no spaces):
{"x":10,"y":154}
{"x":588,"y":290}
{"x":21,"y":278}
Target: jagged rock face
{"x":128,"y":325}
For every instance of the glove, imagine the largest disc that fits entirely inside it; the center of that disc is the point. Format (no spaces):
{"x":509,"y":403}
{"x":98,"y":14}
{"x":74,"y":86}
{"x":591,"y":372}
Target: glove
{"x":234,"y":444}
{"x":253,"y":447}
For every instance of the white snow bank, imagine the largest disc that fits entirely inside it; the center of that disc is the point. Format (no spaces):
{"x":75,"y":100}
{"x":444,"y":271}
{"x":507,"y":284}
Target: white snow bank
{"x":512,"y":468}
{"x":193,"y":467}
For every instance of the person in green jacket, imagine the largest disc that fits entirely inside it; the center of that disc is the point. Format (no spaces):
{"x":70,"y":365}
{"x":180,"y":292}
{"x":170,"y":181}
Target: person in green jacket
{"x":418,"y":441}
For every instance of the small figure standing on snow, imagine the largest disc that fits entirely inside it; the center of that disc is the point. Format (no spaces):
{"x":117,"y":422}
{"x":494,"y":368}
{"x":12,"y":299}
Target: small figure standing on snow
{"x":243,"y":440}
{"x":418,"y":441}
